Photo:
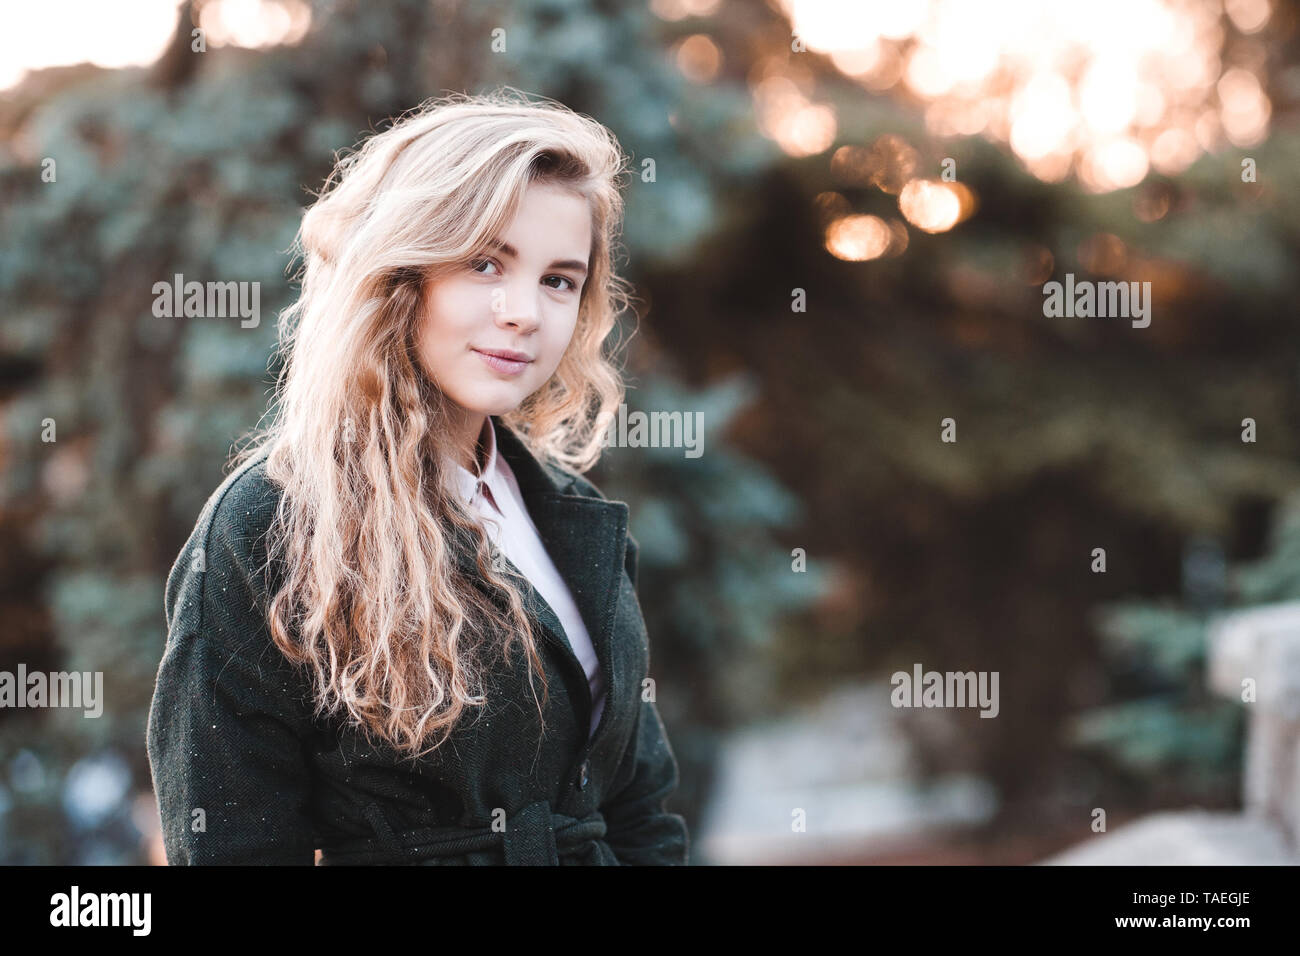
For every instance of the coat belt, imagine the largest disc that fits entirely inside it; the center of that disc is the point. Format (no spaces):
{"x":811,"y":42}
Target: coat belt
{"x":535,"y":835}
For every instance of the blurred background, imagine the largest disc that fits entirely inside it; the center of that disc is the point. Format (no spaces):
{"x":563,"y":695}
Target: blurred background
{"x":841,"y":223}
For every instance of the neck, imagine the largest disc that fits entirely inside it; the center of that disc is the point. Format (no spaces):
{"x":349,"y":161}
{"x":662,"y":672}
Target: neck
{"x":471,"y":442}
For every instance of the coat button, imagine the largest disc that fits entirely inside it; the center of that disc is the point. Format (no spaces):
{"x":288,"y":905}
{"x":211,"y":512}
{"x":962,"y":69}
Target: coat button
{"x":583,"y":776}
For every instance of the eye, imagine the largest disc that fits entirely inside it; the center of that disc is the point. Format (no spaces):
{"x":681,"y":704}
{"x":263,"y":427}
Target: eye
{"x":573,"y":286}
{"x":476,"y":263}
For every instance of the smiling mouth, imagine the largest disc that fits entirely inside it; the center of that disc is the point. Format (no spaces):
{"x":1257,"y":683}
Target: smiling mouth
{"x":503,"y":365}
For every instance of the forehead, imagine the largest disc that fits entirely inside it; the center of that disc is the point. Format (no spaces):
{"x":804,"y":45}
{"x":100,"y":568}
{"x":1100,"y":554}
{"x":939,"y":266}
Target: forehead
{"x":551,"y":221}
{"x":555,"y":205}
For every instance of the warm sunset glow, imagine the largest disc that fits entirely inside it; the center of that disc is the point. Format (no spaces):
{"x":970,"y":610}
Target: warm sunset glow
{"x":1173,"y":151}
{"x":859,"y":238}
{"x":935,"y":206}
{"x":120,"y":35}
{"x":1104,"y":254}
{"x":1105,"y":90}
{"x":89,"y":31}
{"x":699,"y":58}
{"x":1248,"y":16}
{"x":799,"y":127}
{"x":887,"y":164}
{"x":254,"y":23}
{"x":1113,"y":164}
{"x":681,"y":9}
{"x":1245,"y":109}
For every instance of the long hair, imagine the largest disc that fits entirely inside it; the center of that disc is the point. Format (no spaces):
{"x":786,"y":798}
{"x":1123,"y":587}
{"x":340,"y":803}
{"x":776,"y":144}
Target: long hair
{"x":373,"y":603}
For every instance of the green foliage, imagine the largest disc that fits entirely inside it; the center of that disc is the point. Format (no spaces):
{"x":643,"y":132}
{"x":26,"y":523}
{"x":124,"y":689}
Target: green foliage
{"x":1070,"y":432}
{"x":206,"y":175}
{"x":1275,"y":577}
{"x":714,"y":578}
{"x":1160,"y":736}
{"x":1169,"y":725}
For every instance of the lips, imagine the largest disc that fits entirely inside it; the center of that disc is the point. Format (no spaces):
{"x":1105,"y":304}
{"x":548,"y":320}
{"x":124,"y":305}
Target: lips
{"x":500,"y":361}
{"x":507,"y":354}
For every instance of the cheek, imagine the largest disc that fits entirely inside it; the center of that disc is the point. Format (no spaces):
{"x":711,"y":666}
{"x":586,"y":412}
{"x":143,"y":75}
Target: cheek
{"x":565,"y":332}
{"x":561,"y":339}
{"x":428,"y":346}
{"x":440,"y":333}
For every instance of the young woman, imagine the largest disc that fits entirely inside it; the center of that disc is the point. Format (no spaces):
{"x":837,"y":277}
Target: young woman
{"x":404,"y":629}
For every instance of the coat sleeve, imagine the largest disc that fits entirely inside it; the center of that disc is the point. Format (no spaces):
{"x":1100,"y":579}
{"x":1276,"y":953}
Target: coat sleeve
{"x":227,"y":717}
{"x":640,"y":831}
{"x":638,"y":828}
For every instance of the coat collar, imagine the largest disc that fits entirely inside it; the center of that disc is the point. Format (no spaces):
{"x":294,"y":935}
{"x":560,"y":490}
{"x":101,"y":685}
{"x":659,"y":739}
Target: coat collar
{"x":586,"y":538}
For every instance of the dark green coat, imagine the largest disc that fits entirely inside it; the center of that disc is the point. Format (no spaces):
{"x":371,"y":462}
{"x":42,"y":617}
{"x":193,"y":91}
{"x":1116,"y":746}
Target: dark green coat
{"x":231,"y":731}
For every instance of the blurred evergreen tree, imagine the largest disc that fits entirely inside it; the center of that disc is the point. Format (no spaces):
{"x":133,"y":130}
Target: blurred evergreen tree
{"x":200,"y":166}
{"x":1167,"y":724}
{"x":1072,"y":434}
{"x":717,"y":588}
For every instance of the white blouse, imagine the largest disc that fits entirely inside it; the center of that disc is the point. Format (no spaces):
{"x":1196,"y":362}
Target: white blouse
{"x":497,"y":500}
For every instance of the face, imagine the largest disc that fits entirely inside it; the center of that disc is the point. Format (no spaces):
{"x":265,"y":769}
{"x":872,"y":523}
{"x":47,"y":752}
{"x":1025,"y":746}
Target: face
{"x":494,"y":332}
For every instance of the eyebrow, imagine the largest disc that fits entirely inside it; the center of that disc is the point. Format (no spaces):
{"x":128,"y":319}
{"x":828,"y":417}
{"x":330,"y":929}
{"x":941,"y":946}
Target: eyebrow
{"x":574,"y":264}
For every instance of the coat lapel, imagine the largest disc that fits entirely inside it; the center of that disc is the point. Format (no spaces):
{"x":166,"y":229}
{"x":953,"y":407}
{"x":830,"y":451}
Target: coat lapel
{"x":586,"y":538}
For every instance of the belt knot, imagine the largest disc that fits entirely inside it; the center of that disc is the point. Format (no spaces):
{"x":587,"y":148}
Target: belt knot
{"x":534,"y":835}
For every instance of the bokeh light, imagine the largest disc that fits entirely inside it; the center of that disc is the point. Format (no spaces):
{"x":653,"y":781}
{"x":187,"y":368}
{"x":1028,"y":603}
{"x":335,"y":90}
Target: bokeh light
{"x":254,"y":23}
{"x":1105,"y":91}
{"x":106,"y":35}
{"x":800,"y":127}
{"x":935,"y":206}
{"x":90,"y":31}
{"x":857,"y":238}
{"x":699,"y":58}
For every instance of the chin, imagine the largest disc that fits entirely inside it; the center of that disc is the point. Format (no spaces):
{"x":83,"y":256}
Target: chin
{"x":498,"y":408}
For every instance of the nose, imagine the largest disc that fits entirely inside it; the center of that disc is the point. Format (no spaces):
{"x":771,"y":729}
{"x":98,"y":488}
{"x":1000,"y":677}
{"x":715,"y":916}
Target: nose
{"x":516,"y":308}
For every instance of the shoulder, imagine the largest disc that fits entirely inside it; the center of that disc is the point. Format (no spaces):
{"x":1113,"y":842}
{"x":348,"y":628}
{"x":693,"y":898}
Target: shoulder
{"x":244,"y":503}
{"x":589,"y":489}
{"x":229,"y":536}
{"x":579,"y":484}
{"x":216,"y":604}
{"x":565,"y":480}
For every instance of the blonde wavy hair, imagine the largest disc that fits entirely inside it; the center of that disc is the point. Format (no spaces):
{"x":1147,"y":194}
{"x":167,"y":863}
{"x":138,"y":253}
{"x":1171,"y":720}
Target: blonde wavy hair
{"x":373,"y":603}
